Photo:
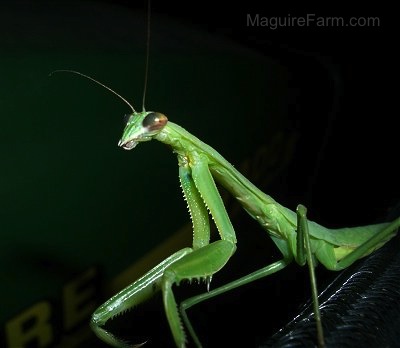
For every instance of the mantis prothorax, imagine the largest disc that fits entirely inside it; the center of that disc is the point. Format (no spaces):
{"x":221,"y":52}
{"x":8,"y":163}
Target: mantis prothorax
{"x":200,"y":167}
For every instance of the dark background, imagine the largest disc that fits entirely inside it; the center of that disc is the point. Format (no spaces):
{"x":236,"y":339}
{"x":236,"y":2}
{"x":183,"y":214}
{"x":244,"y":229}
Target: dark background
{"x":342,"y":103}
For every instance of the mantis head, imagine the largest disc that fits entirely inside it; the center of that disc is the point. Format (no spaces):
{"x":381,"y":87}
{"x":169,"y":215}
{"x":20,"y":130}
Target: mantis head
{"x":141,"y":126}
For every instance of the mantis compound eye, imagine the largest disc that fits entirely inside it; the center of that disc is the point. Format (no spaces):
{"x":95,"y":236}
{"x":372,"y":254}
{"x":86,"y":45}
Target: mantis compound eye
{"x":154,"y":121}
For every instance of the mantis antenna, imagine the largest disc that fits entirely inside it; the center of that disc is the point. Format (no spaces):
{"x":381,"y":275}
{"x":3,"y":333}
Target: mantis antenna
{"x":146,"y":68}
{"x":99,"y":83}
{"x":145,"y":73}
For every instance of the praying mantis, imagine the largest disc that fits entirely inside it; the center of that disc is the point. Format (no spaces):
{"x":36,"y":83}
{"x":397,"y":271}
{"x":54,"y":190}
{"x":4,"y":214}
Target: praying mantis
{"x":200,"y":168}
{"x":297,"y":238}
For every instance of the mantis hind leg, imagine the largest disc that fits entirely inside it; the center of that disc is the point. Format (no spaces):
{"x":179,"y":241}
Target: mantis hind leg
{"x":383,"y":233}
{"x":304,"y":255}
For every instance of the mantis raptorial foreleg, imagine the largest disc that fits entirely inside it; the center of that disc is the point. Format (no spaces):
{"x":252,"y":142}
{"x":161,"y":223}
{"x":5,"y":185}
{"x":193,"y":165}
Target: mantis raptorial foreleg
{"x":200,"y":219}
{"x":186,"y":264}
{"x":195,"y":265}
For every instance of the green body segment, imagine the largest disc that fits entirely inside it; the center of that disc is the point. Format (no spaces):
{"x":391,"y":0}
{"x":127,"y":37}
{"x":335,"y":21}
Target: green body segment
{"x":276,"y":219}
{"x":199,"y":166}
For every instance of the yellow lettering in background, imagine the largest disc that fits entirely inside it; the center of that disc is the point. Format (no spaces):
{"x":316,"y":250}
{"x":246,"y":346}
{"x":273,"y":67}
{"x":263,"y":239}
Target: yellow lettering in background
{"x":79,"y":299}
{"x":31,"y":325}
{"x":38,"y":325}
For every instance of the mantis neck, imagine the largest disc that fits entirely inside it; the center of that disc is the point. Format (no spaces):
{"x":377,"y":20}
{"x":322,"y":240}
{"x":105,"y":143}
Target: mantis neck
{"x":189,"y":147}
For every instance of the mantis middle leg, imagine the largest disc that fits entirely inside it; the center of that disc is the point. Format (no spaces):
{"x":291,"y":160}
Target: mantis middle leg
{"x":303,"y":255}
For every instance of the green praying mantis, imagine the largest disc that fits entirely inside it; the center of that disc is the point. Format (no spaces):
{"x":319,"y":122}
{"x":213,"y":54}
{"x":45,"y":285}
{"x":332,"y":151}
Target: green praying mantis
{"x":297,"y":238}
{"x":200,"y":167}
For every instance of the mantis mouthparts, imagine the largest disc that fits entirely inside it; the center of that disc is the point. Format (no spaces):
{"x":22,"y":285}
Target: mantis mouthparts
{"x":129,"y":145}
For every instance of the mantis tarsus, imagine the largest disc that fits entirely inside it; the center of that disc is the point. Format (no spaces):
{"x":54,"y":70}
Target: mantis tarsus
{"x":297,"y":238}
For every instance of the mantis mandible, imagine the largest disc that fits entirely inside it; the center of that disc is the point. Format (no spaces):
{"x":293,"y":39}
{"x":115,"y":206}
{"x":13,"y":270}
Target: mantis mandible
{"x":200,"y":168}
